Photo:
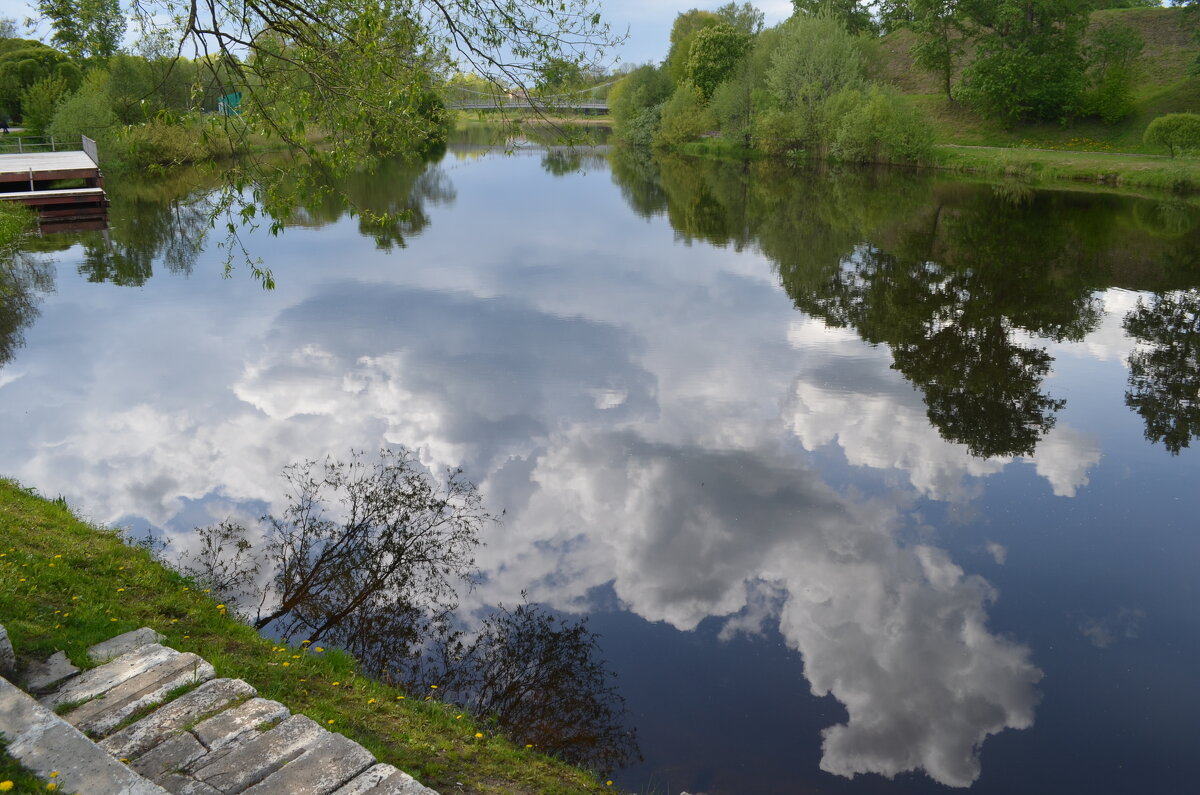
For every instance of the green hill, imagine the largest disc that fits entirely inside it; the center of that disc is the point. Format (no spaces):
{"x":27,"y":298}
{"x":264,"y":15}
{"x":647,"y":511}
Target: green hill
{"x":1164,"y":84}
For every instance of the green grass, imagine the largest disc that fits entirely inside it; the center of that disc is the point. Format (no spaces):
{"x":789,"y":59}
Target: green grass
{"x":1164,"y":84}
{"x":65,"y":584}
{"x":1181,"y":175}
{"x":22,"y":779}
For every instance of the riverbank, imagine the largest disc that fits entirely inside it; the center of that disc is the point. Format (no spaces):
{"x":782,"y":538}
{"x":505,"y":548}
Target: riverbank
{"x":1176,"y":175}
{"x":65,"y":584}
{"x":1108,"y":170}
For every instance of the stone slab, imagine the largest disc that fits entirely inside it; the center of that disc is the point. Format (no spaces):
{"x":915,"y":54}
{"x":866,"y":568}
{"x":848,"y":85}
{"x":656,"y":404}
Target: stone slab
{"x":45,"y":676}
{"x":97,"y":681}
{"x":261,"y":756}
{"x":324,"y":766}
{"x":232,"y":724}
{"x":384,"y":779}
{"x":112,"y":648}
{"x":8,"y":659}
{"x":100,"y":716}
{"x":178,"y":784}
{"x":45,"y":743}
{"x":169,"y":756}
{"x":138,"y":738}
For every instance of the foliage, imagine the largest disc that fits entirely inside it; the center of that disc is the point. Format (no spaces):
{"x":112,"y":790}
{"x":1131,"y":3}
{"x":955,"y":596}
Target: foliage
{"x":880,"y":127}
{"x":855,"y":15}
{"x":41,"y":100}
{"x":1179,"y":133}
{"x":1112,"y":53}
{"x":1029,"y":60}
{"x":941,"y":30}
{"x":85,"y":28}
{"x":644,"y":88}
{"x":22,"y":64}
{"x":559,"y":75}
{"x":1164,"y":370}
{"x":715,"y":52}
{"x":87,"y":112}
{"x":341,"y":83}
{"x":684,"y":117}
{"x":744,"y":17}
{"x":687,"y":24}
{"x":815,"y":57}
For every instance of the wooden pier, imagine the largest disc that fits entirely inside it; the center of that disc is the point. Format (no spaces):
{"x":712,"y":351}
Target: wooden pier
{"x":32,"y":176}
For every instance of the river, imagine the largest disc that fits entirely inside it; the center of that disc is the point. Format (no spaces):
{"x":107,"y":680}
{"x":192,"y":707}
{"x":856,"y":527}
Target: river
{"x":870,"y":481}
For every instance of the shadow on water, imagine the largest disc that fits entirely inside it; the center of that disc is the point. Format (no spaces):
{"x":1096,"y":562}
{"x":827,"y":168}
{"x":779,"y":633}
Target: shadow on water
{"x":965,"y":284}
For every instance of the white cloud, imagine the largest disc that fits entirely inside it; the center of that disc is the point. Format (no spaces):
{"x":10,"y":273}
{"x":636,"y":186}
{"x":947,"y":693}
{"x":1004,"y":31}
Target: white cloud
{"x":898,"y":634}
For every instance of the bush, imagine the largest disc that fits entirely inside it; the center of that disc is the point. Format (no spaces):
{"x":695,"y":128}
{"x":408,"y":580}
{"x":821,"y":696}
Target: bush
{"x":86,"y":112}
{"x":879,"y":127}
{"x":1178,"y":132}
{"x":684,"y":117}
{"x":161,"y":143}
{"x":41,"y":100}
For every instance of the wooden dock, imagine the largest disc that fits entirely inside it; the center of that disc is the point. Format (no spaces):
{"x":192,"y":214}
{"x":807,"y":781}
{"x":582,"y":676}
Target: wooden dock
{"x":33,"y":178}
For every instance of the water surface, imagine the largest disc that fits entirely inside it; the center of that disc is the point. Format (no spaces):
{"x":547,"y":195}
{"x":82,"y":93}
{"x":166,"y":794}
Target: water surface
{"x":860,"y":475}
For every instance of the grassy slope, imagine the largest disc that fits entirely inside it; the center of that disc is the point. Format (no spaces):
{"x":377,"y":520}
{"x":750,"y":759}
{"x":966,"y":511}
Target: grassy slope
{"x":66,"y":585}
{"x":1086,"y":149}
{"x":1163,"y":86}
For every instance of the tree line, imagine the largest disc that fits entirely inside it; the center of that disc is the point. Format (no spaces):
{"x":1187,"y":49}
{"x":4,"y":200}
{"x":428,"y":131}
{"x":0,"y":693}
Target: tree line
{"x":805,"y":86}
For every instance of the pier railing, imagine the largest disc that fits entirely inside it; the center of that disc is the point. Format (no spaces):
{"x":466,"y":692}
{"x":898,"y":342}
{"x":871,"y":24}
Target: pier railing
{"x":28,"y":144}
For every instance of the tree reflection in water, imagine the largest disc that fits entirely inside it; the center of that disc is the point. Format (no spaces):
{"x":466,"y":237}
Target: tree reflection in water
{"x":23,"y":277}
{"x":1164,"y":372}
{"x":959,"y":281}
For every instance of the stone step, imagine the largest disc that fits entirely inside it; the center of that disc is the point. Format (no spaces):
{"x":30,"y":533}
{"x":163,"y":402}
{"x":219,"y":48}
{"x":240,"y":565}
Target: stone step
{"x":97,"y":681}
{"x":218,"y":739}
{"x":383,"y":779}
{"x":169,"y":720}
{"x":101,"y":715}
{"x":45,"y":743}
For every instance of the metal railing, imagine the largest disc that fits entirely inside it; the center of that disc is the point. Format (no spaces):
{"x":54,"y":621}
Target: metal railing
{"x":22,"y":144}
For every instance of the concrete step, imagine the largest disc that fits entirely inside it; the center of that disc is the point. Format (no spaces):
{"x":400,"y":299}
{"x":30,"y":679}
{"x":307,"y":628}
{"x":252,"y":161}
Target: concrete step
{"x":218,"y":739}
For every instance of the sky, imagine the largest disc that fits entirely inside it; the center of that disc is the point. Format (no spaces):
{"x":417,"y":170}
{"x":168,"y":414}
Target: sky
{"x":648,"y":21}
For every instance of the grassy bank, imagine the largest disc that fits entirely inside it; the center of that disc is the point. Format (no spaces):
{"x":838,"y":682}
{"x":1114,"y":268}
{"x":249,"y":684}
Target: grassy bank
{"x":1179,"y":175}
{"x":65,"y":584}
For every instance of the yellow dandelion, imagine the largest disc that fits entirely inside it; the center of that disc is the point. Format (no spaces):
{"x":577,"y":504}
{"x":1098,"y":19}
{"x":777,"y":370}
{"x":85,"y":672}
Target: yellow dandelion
{"x":399,"y":698}
{"x":124,"y":760}
{"x":219,"y":607}
{"x":478,"y":735}
{"x":5,"y":786}
{"x":185,"y":637}
{"x":335,"y":684}
{"x":51,"y":786}
{"x":329,"y":721}
{"x":370,"y":701}
{"x":286,"y":664}
{"x":608,"y":783}
{"x":56,"y":557}
{"x":120,"y":589}
{"x":54,"y":774}
{"x":112,"y":619}
{"x":21,"y":580}
{"x":305,"y":642}
{"x":458,"y":717}
{"x":528,"y":745}
{"x":317,"y":649}
{"x":433,"y":687}
{"x":174,"y":620}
